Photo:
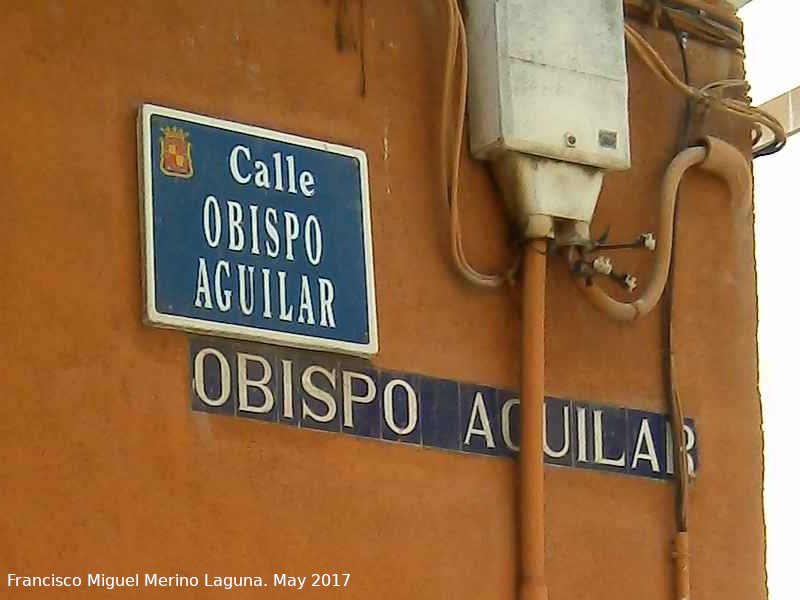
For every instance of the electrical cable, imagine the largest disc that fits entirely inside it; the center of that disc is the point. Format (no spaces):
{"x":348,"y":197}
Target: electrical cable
{"x":681,"y":543}
{"x":711,"y":95}
{"x":715,"y":24}
{"x":676,"y":406}
{"x":451,"y":156}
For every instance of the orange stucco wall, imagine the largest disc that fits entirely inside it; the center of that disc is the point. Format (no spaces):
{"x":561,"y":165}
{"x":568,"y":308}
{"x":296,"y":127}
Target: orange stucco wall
{"x":104,"y":466}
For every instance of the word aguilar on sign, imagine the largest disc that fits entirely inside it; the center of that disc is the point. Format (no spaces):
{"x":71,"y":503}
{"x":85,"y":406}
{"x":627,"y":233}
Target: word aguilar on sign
{"x":341,"y":394}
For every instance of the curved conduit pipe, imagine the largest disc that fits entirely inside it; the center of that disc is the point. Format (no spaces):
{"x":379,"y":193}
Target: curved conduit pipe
{"x":716,"y":157}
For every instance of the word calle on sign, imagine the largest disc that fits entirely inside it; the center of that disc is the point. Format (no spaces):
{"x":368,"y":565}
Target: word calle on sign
{"x":345,"y":395}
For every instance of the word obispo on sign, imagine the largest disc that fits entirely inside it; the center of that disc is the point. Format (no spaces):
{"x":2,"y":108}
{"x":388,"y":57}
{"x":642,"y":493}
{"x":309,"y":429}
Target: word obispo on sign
{"x":345,"y":395}
{"x":255,"y":234}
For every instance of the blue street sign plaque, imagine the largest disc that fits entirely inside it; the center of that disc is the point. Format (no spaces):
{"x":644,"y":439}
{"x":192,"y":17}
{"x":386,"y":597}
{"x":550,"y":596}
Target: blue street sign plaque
{"x":255,"y":234}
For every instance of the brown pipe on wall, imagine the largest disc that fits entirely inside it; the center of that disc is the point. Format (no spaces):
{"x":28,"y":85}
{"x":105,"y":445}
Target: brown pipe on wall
{"x":729,"y":164}
{"x":717,"y":157}
{"x":682,"y":588}
{"x":531,"y":457}
{"x":630,"y":311}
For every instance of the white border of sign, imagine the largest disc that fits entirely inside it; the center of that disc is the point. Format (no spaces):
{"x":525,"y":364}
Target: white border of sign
{"x":153,"y":317}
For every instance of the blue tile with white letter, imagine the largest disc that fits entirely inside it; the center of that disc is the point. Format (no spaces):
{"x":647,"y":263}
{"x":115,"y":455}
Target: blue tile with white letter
{"x":479,"y":419}
{"x":400,"y":407}
{"x":558,"y":449}
{"x":212,"y":378}
{"x":600,"y":437}
{"x":316,"y":385}
{"x":647,"y":444}
{"x":255,"y":381}
{"x":508,"y":404}
{"x":361,"y":406}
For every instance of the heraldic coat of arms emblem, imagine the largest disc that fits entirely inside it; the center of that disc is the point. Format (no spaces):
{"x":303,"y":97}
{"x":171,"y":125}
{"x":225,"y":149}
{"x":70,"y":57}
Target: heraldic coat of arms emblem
{"x":176,"y":153}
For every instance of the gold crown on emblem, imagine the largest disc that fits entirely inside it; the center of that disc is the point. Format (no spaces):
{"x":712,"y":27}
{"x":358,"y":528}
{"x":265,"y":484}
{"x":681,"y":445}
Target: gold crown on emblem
{"x":175,"y":133}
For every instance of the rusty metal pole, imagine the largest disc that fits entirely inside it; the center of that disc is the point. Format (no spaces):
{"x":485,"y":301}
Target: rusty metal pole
{"x":531,"y":454}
